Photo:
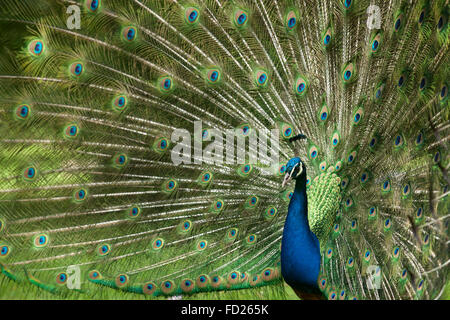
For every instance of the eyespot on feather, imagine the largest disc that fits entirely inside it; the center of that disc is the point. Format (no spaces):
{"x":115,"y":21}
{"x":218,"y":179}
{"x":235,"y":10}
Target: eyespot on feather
{"x":76,"y":69}
{"x":191,"y":15}
{"x":290,"y":20}
{"x":40,"y":240}
{"x":36,"y":47}
{"x":149,"y":288}
{"x":71,"y":131}
{"x":129,"y":34}
{"x":240,"y":18}
{"x":121,"y":280}
{"x":93,"y":6}
{"x":348,"y":74}
{"x":301,"y":86}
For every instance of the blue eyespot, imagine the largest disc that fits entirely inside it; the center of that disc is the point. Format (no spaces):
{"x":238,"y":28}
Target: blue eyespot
{"x":242,"y":18}
{"x":31,"y":172}
{"x":327,"y":39}
{"x":193,"y":16}
{"x":398,"y":23}
{"x":443,"y":91}
{"x":78,"y":69}
{"x":375,"y":45}
{"x":347,"y":3}
{"x":214,"y":76}
{"x":422,"y":16}
{"x":38,"y":47}
{"x":401,"y":80}
{"x":94,"y":4}
{"x":24,"y":111}
{"x":440,"y":23}
{"x":291,"y":22}
{"x":131,"y":33}
{"x":437,"y":157}
{"x":4,"y":250}
{"x":73,"y":130}
{"x":419,"y":212}
{"x":347,"y":74}
{"x":423,"y":82}
{"x":378,"y":94}
{"x":262,"y":78}
{"x":301,"y":87}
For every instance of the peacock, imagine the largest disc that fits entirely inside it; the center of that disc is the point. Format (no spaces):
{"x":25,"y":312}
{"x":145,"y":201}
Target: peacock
{"x":164,"y":148}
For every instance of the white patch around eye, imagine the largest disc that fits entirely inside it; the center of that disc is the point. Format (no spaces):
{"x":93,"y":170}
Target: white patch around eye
{"x":300,"y":170}
{"x":293,"y":169}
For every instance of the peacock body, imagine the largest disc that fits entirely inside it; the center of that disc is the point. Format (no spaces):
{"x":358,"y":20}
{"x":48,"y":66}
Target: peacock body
{"x":93,"y":202}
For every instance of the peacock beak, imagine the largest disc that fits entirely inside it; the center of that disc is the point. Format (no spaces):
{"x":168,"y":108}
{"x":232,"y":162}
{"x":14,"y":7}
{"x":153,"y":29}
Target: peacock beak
{"x":288,"y":176}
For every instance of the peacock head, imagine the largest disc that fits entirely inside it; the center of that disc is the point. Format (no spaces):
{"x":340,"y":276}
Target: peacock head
{"x":295,"y":168}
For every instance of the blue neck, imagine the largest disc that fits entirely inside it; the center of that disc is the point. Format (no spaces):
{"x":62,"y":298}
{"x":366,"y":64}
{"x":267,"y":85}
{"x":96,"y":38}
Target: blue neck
{"x":300,"y":249}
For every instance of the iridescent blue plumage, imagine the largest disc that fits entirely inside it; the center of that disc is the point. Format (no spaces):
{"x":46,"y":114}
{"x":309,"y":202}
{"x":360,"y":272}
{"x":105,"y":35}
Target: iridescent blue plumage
{"x":300,"y":248}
